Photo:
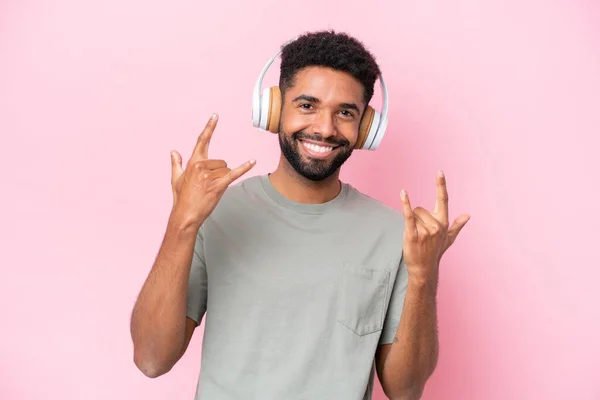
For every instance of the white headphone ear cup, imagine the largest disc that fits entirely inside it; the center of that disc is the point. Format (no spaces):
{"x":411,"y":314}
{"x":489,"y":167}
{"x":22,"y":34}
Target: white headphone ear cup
{"x":371,"y":136}
{"x":265,"y":107}
{"x":379,"y":134}
{"x":255,"y":111}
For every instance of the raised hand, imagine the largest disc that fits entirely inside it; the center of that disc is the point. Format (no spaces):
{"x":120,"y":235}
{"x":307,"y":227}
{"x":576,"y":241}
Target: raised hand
{"x":198,"y":188}
{"x":427,"y":235}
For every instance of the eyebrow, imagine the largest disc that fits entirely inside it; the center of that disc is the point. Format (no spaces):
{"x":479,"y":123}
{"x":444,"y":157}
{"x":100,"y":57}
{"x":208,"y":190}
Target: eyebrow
{"x":312,"y":99}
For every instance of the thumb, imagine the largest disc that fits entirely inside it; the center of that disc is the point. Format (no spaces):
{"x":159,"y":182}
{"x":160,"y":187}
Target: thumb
{"x":176,"y":166}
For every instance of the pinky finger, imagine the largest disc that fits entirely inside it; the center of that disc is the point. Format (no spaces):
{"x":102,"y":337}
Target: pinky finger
{"x":238,"y":172}
{"x":410,"y":218}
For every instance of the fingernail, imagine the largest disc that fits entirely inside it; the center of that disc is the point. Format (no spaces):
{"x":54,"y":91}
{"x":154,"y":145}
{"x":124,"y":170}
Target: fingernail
{"x":214,"y":116}
{"x":441,"y":173}
{"x":403,"y":193}
{"x":252,"y":162}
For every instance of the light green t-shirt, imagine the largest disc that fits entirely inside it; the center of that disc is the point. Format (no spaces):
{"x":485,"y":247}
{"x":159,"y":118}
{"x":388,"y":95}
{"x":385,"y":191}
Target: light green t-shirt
{"x":297,"y":296}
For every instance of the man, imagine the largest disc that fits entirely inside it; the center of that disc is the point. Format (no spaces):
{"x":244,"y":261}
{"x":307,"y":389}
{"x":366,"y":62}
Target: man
{"x":309,"y":287}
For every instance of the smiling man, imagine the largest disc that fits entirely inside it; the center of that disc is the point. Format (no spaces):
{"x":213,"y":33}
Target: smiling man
{"x":308,"y":287}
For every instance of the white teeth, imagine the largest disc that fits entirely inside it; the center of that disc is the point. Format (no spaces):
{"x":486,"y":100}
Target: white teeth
{"x":316,"y":148}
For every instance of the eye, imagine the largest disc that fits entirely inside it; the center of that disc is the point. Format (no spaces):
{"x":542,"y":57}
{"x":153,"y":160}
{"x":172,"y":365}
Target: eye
{"x":306,"y":106}
{"x":347,"y":113}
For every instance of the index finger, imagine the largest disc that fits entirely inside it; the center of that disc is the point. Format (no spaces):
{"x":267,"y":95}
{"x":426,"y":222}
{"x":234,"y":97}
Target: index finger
{"x":201,"y":149}
{"x":441,"y":199}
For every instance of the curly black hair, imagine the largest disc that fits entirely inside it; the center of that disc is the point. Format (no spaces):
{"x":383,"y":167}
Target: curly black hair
{"x":327,"y":48}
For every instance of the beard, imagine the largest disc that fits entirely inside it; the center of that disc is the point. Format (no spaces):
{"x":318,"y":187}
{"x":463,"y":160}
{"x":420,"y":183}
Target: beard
{"x":312,"y":168}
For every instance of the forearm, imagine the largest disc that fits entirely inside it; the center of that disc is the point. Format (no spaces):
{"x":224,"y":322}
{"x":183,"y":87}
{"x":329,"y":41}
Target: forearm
{"x":413,"y":355}
{"x":159,"y":315}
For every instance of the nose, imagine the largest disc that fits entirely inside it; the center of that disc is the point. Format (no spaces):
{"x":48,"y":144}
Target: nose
{"x":323,"y":124}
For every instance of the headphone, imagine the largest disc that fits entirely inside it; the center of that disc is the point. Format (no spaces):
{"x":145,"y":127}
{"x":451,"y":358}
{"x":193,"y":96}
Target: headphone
{"x":266,"y":110}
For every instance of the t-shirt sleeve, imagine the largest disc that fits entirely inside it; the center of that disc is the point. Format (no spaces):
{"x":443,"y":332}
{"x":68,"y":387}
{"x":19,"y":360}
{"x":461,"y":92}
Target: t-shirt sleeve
{"x":198,"y":282}
{"x":394,"y":312}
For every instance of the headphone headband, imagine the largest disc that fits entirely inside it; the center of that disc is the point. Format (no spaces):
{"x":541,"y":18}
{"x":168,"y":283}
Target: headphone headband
{"x":258,"y":85}
{"x":373,"y":139}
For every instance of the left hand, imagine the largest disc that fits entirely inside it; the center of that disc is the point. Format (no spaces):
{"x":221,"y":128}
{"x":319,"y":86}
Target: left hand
{"x":427,"y":235}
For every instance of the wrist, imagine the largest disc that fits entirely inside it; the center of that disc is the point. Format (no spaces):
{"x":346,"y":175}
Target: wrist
{"x":426,"y":282}
{"x":183,"y":224}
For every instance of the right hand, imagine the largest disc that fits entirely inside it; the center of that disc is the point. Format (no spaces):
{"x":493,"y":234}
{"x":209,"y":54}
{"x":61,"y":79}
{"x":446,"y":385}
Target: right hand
{"x":198,"y":188}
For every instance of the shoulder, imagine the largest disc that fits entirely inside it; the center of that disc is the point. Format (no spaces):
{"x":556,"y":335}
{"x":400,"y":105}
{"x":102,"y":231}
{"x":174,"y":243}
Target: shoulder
{"x":242,"y":188}
{"x":374,"y":209}
{"x":240,"y":195}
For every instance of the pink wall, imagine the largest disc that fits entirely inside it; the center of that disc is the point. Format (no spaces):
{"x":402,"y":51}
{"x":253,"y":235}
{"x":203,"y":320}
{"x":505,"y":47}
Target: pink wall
{"x":504,"y":95}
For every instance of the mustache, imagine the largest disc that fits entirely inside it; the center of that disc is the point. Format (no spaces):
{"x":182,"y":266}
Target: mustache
{"x":319,"y":138}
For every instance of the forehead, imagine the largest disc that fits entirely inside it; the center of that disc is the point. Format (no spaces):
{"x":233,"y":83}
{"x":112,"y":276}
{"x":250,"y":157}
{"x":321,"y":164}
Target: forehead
{"x":327,"y":84}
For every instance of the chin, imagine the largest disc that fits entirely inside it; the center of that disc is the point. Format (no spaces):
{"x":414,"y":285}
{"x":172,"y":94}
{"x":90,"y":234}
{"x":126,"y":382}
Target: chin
{"x":314,"y":170}
{"x":315,"y":163}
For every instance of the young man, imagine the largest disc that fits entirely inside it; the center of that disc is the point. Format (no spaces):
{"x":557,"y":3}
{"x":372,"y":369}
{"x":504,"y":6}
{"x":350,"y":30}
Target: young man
{"x":308,"y":286}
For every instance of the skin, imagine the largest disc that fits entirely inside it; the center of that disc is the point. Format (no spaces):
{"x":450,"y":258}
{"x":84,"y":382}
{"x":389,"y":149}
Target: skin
{"x":323,"y":106}
{"x":405,"y":365}
{"x":160,"y":328}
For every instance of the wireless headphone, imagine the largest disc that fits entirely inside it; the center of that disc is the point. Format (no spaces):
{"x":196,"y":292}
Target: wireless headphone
{"x":266,"y":111}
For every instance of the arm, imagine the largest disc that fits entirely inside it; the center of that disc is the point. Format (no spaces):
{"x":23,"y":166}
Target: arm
{"x":160,"y":329}
{"x":405,"y":365}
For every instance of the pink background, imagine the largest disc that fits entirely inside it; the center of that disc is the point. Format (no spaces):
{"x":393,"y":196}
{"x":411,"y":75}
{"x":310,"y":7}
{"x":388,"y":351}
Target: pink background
{"x":503,"y":95}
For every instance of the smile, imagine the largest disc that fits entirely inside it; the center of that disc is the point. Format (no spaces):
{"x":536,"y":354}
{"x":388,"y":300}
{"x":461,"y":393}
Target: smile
{"x":317,"y":151}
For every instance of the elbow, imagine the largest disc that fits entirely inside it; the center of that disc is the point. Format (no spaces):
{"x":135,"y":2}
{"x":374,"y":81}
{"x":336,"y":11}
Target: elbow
{"x":406,"y":387}
{"x":151,"y":366}
{"x":152,"y":371}
{"x":410,"y":393}
{"x":408,"y":390}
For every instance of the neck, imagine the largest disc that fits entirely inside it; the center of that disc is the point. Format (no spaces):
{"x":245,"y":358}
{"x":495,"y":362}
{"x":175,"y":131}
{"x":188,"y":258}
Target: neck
{"x":297,"y":188}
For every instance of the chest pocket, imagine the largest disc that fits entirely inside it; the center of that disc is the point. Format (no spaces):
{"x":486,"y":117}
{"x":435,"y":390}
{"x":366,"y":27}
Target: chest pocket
{"x":362,"y":298}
